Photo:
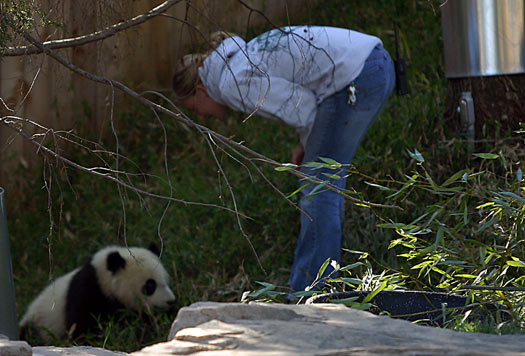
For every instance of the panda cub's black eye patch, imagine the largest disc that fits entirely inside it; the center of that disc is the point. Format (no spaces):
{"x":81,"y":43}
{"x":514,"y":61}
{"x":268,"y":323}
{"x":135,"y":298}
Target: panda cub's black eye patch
{"x":149,"y":287}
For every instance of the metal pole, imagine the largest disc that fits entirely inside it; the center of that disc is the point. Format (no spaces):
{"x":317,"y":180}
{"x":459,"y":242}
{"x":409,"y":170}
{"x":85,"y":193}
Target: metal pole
{"x":468,"y":118}
{"x":8,"y":320}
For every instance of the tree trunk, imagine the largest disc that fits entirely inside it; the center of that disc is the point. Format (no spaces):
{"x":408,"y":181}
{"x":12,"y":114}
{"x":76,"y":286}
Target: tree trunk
{"x":499,"y":104}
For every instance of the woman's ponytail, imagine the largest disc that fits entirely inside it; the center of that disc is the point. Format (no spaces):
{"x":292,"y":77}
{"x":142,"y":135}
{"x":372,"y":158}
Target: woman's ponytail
{"x":186,"y":76}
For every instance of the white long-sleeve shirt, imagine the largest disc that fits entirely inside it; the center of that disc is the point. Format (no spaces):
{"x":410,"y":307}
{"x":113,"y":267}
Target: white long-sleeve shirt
{"x":285,"y":73}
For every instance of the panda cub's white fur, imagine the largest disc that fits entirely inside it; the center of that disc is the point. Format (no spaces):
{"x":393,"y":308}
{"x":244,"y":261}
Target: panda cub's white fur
{"x":113,"y":278}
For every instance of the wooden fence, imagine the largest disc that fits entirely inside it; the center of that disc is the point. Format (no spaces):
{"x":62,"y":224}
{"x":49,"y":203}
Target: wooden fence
{"x":36,"y":87}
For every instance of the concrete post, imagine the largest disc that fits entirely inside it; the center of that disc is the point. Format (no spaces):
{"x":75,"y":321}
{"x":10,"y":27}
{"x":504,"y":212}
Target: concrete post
{"x":8,"y":320}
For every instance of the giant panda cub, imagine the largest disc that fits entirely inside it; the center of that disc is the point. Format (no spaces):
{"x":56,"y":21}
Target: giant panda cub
{"x":114,"y":277}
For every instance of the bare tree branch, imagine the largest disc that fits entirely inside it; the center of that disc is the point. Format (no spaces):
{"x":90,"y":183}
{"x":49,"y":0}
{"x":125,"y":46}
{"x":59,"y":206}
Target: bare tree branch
{"x":180,"y":116}
{"x":96,"y":36}
{"x":10,"y":121}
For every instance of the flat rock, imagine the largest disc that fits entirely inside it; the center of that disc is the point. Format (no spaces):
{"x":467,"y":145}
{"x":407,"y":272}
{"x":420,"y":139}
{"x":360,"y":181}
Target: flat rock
{"x":14,"y":348}
{"x":210,"y":329}
{"x":74,"y":351}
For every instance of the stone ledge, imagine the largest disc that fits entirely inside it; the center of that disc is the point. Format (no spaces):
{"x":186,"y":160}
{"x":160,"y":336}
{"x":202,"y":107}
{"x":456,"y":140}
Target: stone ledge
{"x":74,"y":351}
{"x":213,"y":329}
{"x":14,"y":348}
{"x":235,"y":329}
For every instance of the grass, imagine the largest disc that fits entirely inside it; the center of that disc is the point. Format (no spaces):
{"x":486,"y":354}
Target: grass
{"x":205,"y":252}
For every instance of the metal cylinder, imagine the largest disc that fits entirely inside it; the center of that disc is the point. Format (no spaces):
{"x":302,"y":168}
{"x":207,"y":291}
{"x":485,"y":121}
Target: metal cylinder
{"x":483,"y":37}
{"x":8,"y":320}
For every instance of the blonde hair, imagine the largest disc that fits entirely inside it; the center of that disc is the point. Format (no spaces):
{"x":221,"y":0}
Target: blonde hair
{"x":186,"y":76}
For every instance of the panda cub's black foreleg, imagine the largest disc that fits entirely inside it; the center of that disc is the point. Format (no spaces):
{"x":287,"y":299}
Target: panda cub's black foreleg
{"x":85,"y":302}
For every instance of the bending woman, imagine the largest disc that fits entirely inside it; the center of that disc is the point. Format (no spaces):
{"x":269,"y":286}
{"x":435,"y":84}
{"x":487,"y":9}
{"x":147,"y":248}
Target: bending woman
{"x":329,"y":83}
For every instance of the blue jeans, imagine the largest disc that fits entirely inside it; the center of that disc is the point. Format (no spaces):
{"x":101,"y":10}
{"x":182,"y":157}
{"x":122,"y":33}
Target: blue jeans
{"x":338,"y":129}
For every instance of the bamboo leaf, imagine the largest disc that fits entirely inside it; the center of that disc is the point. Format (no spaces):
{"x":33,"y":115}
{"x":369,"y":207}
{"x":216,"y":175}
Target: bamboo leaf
{"x":344,"y":300}
{"x":285,"y":167}
{"x":488,"y":223}
{"x":331,"y":162}
{"x":518,"y":264}
{"x":314,"y":165}
{"x":381,"y":187}
{"x":370,"y":296}
{"x":513,"y":195}
{"x":332,"y":176}
{"x":317,"y":188}
{"x":350,"y":281}
{"x":486,"y":155}
{"x":466,"y":275}
{"x":352,"y":266}
{"x":417,"y":156}
{"x":299,"y":189}
{"x":454,"y":177}
{"x":323,"y":268}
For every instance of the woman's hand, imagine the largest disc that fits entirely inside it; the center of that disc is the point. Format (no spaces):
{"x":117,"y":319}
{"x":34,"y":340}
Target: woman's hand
{"x":298,"y":154}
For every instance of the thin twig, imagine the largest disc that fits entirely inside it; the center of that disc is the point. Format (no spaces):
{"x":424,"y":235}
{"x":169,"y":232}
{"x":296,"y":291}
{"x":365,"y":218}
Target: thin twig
{"x":17,"y":129}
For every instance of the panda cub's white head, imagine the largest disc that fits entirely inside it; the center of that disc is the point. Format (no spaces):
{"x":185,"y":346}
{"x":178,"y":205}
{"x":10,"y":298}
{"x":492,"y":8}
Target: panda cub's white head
{"x":133,"y":276}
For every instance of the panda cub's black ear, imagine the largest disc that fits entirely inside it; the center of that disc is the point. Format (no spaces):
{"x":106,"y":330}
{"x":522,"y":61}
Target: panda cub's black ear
{"x":115,"y":262}
{"x":153,"y":247}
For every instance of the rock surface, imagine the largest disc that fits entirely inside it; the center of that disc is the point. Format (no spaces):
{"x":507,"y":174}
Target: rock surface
{"x":211,"y":329}
{"x":14,"y":348}
{"x":74,"y":351}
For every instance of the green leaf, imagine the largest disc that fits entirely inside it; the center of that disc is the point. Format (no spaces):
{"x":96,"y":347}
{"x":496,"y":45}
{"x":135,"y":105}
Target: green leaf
{"x":520,"y":279}
{"x":377,"y":186}
{"x":285,"y":167}
{"x":490,"y":203}
{"x":355,"y":252}
{"x":397,"y":226}
{"x":351,"y":281}
{"x":455,"y":263}
{"x":405,"y":187}
{"x":486,"y":155}
{"x":299,"y":189}
{"x":479,"y":243}
{"x":331,"y":162}
{"x":314,"y":165}
{"x":422,"y":265}
{"x":465,"y":275}
{"x":352,"y":266}
{"x":267,"y":287}
{"x":513,"y":195}
{"x":431,"y":181}
{"x":323,"y":268}
{"x":344,"y":300}
{"x":317,"y":188}
{"x":518,"y":264}
{"x":454,"y":178}
{"x":304,"y":293}
{"x":417,"y":156}
{"x":361,"y":306}
{"x":332,"y":176}
{"x":371,"y":296}
{"x":487,"y":224}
